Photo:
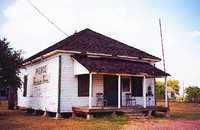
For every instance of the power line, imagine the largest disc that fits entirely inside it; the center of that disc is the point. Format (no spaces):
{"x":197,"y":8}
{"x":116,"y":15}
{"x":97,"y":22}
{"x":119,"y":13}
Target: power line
{"x":43,"y":15}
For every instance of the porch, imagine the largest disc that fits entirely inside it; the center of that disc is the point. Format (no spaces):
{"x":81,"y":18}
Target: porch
{"x":147,"y":112}
{"x":118,"y":78}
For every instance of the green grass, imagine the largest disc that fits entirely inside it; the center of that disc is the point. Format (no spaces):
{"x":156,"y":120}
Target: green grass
{"x":19,"y":120}
{"x":186,"y":116}
{"x":106,"y":123}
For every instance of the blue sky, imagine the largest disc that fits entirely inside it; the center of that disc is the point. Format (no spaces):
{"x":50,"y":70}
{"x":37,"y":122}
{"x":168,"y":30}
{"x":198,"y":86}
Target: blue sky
{"x":185,"y":11}
{"x":134,"y":22}
{"x":3,"y":5}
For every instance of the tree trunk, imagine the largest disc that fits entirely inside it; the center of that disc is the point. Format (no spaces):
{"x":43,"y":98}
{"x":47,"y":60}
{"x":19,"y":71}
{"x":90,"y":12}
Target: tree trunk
{"x":12,"y":98}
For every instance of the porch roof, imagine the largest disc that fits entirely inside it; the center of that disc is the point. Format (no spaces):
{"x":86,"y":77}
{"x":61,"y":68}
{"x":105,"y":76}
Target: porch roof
{"x":119,"y":66}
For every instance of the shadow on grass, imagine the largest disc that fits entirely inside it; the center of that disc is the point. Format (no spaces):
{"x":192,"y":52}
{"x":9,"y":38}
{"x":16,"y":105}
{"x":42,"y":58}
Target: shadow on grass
{"x":107,"y":122}
{"x":186,"y":116}
{"x":179,"y":115}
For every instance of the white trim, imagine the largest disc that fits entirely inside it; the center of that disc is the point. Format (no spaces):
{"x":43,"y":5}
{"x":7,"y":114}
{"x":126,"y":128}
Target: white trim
{"x":118,"y":74}
{"x":149,"y":59}
{"x":137,"y":58}
{"x":130,"y":57}
{"x":90,"y":91}
{"x":119,"y":91}
{"x":50,"y":54}
{"x":98,"y":54}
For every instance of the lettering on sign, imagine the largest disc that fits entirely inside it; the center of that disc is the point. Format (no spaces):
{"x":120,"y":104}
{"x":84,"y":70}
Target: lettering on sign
{"x":41,"y":75}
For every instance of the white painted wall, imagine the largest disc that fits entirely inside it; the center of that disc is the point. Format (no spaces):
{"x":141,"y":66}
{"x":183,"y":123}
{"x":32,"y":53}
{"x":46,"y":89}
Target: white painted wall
{"x":69,"y":86}
{"x":139,"y":100}
{"x":97,"y":87}
{"x":150,"y":82}
{"x":43,"y":96}
{"x":79,"y":69}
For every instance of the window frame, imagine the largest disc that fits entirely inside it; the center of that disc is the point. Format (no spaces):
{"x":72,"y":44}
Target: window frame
{"x":128,"y":91}
{"x":25,"y":85}
{"x":83,"y":86}
{"x":137,"y":93}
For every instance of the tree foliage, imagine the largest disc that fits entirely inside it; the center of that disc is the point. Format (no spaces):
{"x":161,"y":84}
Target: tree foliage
{"x":160,"y":90}
{"x":10,"y":62}
{"x":193,"y":94}
{"x":174,"y":84}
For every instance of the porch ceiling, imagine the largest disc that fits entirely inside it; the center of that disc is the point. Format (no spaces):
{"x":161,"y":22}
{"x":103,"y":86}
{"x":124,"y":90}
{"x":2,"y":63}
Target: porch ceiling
{"x":119,"y":66}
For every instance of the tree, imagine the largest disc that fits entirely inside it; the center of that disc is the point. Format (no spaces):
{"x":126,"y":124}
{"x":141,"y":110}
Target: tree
{"x":193,"y":94}
{"x":10,"y":63}
{"x":174,"y":84}
{"x":160,"y":90}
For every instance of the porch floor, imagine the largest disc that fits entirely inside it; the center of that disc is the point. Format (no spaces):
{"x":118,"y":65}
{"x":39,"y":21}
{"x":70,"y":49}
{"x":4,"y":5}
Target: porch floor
{"x":93,"y":110}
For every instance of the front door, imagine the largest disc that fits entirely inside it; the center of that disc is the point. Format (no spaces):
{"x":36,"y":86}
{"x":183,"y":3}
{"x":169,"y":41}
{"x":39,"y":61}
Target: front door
{"x":111,"y":90}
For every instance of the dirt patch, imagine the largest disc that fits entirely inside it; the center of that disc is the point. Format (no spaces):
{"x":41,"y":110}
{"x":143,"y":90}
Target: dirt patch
{"x":163,"y":125}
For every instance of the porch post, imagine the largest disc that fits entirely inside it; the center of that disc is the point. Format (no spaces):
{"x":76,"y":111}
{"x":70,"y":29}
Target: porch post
{"x":90,"y":90}
{"x":144,"y":93}
{"x":119,"y":91}
{"x":166,"y":93}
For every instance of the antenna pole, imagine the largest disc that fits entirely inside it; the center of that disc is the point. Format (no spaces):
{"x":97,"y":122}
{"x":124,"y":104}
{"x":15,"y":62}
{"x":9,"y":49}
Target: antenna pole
{"x":163,"y":57}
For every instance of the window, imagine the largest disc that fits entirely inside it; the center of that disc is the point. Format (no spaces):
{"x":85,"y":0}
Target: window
{"x":137,"y":86}
{"x":25,"y":85}
{"x":83,"y":85}
{"x":125,"y":83}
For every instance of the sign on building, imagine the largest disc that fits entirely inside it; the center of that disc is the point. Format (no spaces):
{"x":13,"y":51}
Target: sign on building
{"x":41,"y":75}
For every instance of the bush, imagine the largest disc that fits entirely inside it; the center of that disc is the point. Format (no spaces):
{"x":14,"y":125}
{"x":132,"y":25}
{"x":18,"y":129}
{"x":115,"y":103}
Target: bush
{"x":193,"y":94}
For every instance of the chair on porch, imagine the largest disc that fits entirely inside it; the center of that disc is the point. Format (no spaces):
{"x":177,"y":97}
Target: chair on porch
{"x":100,"y":101}
{"x":130,"y":101}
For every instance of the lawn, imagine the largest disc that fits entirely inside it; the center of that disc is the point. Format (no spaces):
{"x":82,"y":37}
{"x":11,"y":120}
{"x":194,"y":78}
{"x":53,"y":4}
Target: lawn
{"x":185,"y":115}
{"x":188,"y":111}
{"x":20,"y":120}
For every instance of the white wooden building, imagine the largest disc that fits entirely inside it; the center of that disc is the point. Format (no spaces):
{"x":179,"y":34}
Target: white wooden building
{"x":74,"y":71}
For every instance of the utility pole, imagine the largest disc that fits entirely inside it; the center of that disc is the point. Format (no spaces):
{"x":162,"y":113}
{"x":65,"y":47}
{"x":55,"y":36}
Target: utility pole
{"x":183,"y":90}
{"x":163,"y":57}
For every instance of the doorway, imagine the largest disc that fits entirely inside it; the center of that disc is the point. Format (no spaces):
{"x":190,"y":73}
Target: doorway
{"x":111,"y":90}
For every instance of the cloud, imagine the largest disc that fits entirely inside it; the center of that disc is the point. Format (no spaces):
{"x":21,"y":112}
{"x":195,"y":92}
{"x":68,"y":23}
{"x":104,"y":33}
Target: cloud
{"x":25,"y":27}
{"x":129,"y":21}
{"x":195,"y":34}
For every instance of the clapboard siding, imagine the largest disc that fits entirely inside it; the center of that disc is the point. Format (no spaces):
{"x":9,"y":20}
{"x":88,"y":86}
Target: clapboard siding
{"x":43,"y":96}
{"x":69,"y":86}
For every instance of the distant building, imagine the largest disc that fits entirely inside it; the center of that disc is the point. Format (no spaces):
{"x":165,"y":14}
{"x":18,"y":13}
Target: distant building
{"x":171,"y":93}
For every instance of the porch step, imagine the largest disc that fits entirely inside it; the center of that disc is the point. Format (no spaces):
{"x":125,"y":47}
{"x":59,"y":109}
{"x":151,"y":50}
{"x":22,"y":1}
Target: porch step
{"x":135,"y":115}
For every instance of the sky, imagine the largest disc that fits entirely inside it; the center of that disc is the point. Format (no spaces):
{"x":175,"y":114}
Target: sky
{"x":134,"y":22}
